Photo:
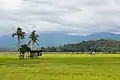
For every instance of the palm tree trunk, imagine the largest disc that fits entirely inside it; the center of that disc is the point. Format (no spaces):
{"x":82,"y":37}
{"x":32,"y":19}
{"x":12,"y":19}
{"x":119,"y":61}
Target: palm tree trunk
{"x":32,"y":45}
{"x":23,"y":55}
{"x":22,"y":42}
{"x":32,"y":49}
{"x":19,"y":44}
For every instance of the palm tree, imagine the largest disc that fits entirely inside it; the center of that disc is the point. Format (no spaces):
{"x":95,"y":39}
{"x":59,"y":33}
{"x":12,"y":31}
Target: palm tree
{"x":20,"y":35}
{"x":33,"y":39}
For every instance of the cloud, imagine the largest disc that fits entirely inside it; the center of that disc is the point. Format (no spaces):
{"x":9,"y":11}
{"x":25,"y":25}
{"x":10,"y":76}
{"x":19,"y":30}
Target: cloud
{"x":69,"y":16}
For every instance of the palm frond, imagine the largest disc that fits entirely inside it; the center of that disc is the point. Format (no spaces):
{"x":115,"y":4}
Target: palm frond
{"x":34,"y":38}
{"x":37,"y":36}
{"x":37,"y":39}
{"x":29,"y":42}
{"x":23,"y":36}
{"x":13,"y":34}
{"x":36,"y":43}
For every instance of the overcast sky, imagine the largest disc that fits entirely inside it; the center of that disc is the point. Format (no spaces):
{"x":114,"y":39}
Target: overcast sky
{"x":80,"y":17}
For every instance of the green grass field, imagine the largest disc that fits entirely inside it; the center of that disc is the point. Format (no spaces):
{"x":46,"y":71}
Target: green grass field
{"x":60,"y":67}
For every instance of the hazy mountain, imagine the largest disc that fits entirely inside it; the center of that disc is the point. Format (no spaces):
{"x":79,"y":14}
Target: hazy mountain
{"x":55,"y":39}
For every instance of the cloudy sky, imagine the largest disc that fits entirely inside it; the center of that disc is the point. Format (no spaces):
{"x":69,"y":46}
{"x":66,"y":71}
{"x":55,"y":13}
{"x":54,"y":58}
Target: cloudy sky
{"x":80,"y":17}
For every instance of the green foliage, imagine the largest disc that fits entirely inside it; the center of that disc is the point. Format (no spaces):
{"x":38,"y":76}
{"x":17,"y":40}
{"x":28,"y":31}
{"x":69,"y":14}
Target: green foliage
{"x":19,"y":33}
{"x":33,"y":39}
{"x":24,"y":48}
{"x":101,"y":45}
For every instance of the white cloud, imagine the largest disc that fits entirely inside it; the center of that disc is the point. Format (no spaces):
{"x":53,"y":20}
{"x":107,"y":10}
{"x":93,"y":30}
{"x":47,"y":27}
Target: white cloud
{"x":10,"y":4}
{"x":68,"y":16}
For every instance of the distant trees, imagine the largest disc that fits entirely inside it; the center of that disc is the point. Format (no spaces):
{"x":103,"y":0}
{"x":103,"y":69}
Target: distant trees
{"x":101,"y":45}
{"x":51,"y":49}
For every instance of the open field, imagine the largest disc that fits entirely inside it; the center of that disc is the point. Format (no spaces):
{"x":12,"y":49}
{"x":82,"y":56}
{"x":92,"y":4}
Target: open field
{"x":60,"y":67}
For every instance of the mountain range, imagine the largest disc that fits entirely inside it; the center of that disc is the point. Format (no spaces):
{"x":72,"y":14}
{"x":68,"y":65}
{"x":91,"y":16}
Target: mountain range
{"x":56,"y":39}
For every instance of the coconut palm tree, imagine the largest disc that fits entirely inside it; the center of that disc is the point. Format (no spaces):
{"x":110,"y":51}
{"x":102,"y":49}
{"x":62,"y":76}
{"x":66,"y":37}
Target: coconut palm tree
{"x":20,"y":35}
{"x":33,"y":39}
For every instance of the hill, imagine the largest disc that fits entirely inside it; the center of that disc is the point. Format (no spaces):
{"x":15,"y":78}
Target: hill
{"x":57,"y":39}
{"x":102,"y":45}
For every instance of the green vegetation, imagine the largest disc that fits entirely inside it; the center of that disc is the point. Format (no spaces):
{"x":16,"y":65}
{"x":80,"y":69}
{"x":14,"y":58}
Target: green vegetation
{"x":60,"y":67}
{"x":22,"y":49}
{"x":20,"y":35}
{"x":33,"y":39}
{"x":101,"y":45}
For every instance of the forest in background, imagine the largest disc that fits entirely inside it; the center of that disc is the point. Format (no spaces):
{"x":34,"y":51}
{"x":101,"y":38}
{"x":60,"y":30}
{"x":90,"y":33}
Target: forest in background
{"x":102,"y":45}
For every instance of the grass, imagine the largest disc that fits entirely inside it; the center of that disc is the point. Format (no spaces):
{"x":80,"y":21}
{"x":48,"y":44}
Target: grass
{"x":60,"y":67}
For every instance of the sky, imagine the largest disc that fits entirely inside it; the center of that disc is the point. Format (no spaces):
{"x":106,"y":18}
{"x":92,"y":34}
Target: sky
{"x":73,"y":17}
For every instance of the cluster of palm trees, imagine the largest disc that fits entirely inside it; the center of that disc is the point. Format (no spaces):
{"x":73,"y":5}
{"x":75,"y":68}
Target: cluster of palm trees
{"x":21,"y":35}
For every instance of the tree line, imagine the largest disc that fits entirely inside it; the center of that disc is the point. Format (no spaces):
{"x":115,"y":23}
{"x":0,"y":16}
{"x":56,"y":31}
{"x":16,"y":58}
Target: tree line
{"x":102,"y":45}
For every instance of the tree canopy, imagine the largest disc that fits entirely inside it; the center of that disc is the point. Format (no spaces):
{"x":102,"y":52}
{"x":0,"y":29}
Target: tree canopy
{"x":102,"y":45}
